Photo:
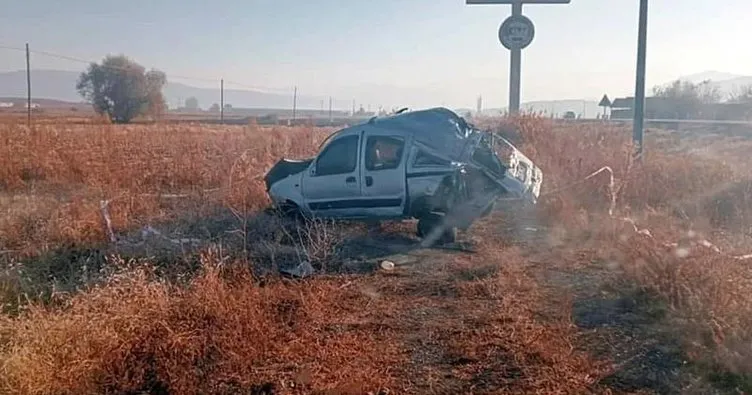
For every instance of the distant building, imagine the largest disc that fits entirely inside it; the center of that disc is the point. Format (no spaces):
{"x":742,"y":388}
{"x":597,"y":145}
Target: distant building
{"x":621,"y":108}
{"x":6,"y":105}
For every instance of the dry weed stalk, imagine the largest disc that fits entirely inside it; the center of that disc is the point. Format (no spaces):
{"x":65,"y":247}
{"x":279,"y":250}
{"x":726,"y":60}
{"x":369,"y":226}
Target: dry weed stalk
{"x":316,"y":240}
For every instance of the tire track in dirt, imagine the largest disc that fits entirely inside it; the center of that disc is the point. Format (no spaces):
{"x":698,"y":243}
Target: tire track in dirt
{"x":471,"y":322}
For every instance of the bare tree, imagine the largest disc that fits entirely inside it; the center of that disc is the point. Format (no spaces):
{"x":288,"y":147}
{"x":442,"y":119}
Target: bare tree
{"x":741,"y":94}
{"x":687,"y":99}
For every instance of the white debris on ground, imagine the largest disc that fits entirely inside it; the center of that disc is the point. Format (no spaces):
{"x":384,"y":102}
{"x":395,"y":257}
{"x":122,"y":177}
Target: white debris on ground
{"x":302,"y":270}
{"x":387,"y":265}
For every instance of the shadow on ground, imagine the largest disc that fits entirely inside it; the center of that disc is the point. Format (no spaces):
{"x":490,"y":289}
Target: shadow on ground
{"x":631,"y":327}
{"x":627,"y":327}
{"x":267,"y":243}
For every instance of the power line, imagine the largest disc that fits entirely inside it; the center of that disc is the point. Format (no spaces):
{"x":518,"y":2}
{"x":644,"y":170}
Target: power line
{"x":12,"y":48}
{"x":170,"y":76}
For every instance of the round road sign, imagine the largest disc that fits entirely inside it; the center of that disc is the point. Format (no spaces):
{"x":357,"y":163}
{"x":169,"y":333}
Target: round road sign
{"x":516,"y":32}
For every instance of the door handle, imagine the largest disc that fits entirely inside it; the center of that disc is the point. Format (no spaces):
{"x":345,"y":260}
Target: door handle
{"x":350,"y":180}
{"x":369,"y":181}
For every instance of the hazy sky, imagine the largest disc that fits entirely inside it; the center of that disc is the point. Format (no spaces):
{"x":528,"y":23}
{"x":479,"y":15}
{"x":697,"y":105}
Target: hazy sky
{"x":387,"y":52}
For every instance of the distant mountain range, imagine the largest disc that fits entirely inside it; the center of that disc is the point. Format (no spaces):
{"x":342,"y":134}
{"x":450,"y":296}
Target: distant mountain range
{"x":60,"y":85}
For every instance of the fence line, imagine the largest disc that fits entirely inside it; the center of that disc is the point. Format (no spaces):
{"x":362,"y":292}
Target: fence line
{"x":659,"y":120}
{"x":175,"y":76}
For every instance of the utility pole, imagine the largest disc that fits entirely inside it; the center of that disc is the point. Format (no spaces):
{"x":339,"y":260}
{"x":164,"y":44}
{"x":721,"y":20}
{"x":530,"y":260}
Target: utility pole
{"x":28,"y":87}
{"x":330,"y":110}
{"x":353,"y":111}
{"x":222,"y":100}
{"x":639,"y":107}
{"x":294,"y":103}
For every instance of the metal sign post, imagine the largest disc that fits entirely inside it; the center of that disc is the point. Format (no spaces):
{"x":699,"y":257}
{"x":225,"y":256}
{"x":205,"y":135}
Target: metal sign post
{"x":639,"y":104}
{"x":515,"y":34}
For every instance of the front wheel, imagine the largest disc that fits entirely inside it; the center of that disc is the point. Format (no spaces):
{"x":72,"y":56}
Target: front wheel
{"x":290,"y":211}
{"x":433,"y":231}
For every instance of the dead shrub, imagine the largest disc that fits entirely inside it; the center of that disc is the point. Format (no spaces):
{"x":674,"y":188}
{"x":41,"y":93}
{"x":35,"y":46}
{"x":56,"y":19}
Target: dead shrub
{"x":709,"y":293}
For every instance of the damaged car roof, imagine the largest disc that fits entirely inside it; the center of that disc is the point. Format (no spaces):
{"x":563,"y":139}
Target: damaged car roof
{"x":437,"y":128}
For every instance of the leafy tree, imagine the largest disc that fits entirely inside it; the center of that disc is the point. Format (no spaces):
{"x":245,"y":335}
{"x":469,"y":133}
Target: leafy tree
{"x":191,"y":103}
{"x":214,"y":107}
{"x":156,"y":104}
{"x":122,"y":89}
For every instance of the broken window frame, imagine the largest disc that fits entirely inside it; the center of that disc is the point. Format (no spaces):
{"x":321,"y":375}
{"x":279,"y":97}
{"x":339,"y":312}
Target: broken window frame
{"x":369,"y":155}
{"x":436,"y":161}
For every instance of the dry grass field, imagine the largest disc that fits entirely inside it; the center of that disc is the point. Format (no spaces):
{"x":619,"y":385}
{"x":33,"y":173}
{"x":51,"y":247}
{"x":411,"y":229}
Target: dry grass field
{"x":630,"y":284}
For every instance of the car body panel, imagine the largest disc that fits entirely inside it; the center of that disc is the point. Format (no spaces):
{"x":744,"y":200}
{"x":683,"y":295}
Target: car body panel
{"x":334,"y":194}
{"x":384,"y":186}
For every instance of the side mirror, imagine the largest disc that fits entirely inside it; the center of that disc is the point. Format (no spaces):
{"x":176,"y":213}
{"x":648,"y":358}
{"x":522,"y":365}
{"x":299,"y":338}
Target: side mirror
{"x":312,"y":169}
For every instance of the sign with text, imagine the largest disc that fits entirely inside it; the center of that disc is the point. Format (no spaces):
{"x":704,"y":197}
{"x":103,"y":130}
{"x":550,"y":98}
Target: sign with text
{"x":516,"y":32}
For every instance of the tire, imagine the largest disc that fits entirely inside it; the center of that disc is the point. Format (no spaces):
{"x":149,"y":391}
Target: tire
{"x":373,"y":226}
{"x":488,"y":210}
{"x":291,"y":211}
{"x":291,"y":216}
{"x":429,"y":222}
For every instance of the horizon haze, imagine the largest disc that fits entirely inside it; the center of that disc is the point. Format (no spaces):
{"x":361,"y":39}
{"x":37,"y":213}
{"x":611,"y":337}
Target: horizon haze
{"x":60,"y":85}
{"x":416,"y":53}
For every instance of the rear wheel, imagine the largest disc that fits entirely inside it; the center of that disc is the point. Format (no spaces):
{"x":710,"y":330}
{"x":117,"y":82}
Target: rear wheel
{"x":431,"y":228}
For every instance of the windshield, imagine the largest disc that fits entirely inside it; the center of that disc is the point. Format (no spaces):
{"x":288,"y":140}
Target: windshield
{"x":328,"y":139}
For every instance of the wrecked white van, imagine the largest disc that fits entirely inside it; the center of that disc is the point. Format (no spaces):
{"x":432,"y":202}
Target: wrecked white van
{"x":429,"y":165}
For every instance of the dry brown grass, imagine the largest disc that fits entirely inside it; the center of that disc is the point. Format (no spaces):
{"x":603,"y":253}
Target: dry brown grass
{"x":682,"y":199}
{"x":63,"y":172}
{"x":221,"y":334}
{"x":709,"y":292}
{"x":178,"y":178}
{"x":469,"y":324}
{"x":476,"y":323}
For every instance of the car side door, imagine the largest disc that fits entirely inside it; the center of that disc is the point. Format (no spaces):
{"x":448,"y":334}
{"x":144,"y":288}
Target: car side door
{"x":383,"y":172}
{"x":331,"y":186}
